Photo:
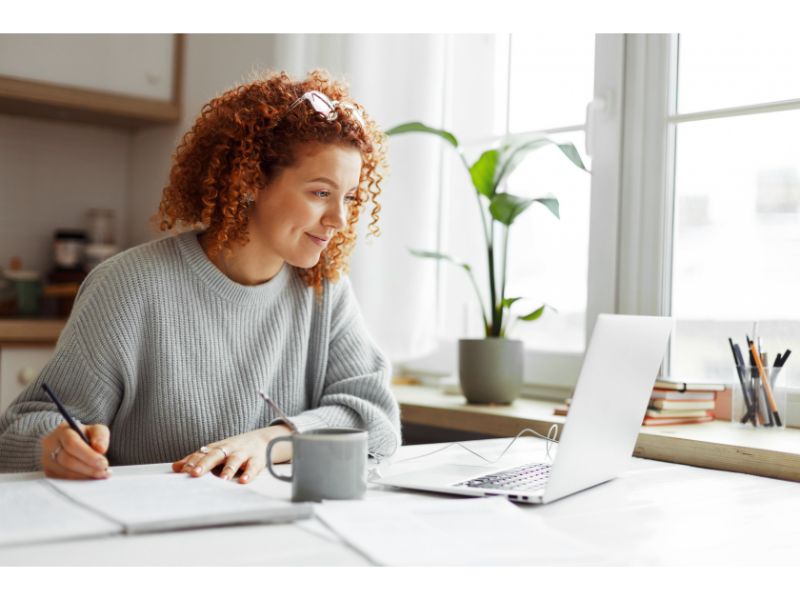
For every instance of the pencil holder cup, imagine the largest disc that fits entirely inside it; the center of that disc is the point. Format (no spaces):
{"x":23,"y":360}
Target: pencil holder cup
{"x":752,"y":403}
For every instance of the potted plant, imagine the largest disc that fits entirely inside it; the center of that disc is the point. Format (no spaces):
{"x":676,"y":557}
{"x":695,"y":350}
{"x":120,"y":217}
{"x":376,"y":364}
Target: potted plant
{"x":490,"y":369}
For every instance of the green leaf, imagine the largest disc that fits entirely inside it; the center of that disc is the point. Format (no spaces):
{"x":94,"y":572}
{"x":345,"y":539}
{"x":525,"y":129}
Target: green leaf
{"x":507,"y":302}
{"x":571,"y":153}
{"x":439,"y":256}
{"x":507,"y":207}
{"x":551,"y":202}
{"x":417,"y":127}
{"x":483,"y":171}
{"x":534,"y":315}
{"x":513,"y":153}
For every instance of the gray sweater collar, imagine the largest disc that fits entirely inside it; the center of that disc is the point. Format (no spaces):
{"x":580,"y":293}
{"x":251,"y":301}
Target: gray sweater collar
{"x":216,"y":280}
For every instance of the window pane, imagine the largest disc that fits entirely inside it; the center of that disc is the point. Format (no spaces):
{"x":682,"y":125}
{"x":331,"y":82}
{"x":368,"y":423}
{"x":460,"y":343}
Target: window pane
{"x":552,"y":80}
{"x":718,"y":70}
{"x":737,"y":238}
{"x":548,"y":257}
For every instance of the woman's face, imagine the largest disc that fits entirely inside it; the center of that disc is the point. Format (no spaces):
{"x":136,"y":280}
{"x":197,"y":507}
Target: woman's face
{"x":297,"y":214}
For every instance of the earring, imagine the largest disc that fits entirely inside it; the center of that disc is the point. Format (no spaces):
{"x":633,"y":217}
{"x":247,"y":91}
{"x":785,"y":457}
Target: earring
{"x":247,"y":199}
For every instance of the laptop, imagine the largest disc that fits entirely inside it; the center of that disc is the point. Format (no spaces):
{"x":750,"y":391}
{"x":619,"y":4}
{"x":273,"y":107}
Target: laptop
{"x":607,"y":409}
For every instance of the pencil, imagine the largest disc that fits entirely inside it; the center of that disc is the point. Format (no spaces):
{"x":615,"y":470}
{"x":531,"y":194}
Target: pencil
{"x":765,"y":383}
{"x":64,"y":413}
{"x":281,"y":414}
{"x":739,"y":361}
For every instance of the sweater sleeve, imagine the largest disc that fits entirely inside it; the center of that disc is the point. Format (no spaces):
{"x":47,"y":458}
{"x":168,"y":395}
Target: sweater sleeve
{"x":82,"y":378}
{"x":356,"y":390}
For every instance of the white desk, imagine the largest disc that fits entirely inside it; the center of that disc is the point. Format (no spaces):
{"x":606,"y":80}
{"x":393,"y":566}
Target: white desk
{"x":655,"y":514}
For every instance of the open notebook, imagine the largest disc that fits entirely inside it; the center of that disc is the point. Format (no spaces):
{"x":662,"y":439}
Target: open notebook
{"x":37,"y":510}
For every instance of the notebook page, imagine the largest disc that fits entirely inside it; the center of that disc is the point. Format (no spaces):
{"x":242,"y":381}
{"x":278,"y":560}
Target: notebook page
{"x":165,"y":501}
{"x":414,"y":530}
{"x":32,"y":511}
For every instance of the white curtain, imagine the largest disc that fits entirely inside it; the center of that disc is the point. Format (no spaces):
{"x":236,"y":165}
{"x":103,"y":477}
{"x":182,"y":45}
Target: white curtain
{"x":397,"y":78}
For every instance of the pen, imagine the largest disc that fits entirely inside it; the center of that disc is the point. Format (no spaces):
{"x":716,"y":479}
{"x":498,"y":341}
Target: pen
{"x":754,"y":387}
{"x":765,"y":361}
{"x":780,"y":360}
{"x":765,"y":383}
{"x":281,"y":414}
{"x":64,"y":413}
{"x":737,"y":358}
{"x":749,"y":391}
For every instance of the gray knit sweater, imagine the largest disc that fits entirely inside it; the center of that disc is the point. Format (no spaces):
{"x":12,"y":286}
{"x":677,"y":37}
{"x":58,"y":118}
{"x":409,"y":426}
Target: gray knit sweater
{"x":169,"y":353}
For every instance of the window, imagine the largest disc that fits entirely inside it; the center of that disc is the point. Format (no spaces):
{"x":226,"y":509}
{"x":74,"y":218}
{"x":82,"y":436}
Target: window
{"x":551,"y":79}
{"x":695,"y":191}
{"x":736,"y":200}
{"x":499,"y":84}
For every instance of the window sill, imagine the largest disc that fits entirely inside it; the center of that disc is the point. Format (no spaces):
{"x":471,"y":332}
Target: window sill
{"x":716,"y":445}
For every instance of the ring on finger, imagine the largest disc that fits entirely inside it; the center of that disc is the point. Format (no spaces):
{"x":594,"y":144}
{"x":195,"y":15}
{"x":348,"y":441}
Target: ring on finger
{"x":54,"y":454}
{"x":205,"y":450}
{"x":223,"y":450}
{"x":190,"y":465}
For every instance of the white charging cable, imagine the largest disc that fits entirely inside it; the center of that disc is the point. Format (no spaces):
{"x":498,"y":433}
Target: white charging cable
{"x":552,"y":433}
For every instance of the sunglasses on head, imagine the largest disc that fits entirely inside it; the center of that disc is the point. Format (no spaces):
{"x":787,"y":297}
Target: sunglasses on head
{"x":327,"y":107}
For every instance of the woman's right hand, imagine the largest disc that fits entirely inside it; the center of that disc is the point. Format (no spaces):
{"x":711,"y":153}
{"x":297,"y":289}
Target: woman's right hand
{"x":66,"y":456}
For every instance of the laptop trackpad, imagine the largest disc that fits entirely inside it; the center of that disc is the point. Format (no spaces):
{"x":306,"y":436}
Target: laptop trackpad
{"x":442,"y":475}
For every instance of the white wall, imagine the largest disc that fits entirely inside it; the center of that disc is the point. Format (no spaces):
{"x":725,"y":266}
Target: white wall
{"x":51,"y":173}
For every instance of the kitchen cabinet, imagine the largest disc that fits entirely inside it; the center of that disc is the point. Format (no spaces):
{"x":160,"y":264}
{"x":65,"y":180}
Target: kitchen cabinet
{"x":19,"y":365}
{"x":126,"y":80}
{"x":26,"y":345}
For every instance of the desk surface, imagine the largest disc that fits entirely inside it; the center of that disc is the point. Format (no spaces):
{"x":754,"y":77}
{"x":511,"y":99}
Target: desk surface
{"x":654,"y":514}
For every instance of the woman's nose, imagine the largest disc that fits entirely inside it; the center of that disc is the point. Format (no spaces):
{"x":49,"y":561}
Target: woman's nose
{"x":337,"y":216}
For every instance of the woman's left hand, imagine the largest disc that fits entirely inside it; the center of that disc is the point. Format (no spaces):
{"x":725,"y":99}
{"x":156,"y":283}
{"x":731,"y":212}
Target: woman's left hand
{"x":247,"y":452}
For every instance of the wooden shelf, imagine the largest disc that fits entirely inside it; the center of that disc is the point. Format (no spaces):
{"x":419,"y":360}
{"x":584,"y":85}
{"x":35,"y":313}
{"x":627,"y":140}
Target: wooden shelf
{"x":716,"y":445}
{"x":28,"y":332}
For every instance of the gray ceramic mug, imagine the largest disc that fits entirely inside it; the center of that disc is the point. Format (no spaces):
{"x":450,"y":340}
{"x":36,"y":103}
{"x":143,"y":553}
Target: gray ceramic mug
{"x":327,"y":464}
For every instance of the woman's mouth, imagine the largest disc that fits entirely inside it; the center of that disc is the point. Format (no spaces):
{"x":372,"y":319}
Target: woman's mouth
{"x":319,"y":241}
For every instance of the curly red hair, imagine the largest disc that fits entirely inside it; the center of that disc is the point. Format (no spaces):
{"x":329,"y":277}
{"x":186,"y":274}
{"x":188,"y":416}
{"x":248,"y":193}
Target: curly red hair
{"x":239,"y":143}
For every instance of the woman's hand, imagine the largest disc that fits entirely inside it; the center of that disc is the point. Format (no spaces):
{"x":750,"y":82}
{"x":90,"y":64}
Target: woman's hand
{"x":66,"y":456}
{"x":247,"y":452}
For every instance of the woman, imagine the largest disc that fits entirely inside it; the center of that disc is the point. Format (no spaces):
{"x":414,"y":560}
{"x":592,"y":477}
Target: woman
{"x":170,"y":342}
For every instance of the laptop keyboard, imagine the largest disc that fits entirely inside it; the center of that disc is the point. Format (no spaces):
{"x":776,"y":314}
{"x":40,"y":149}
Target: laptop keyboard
{"x":527,"y":477}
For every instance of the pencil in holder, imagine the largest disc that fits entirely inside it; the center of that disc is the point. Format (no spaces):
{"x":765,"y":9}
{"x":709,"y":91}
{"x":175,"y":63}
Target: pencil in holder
{"x":755,"y":404}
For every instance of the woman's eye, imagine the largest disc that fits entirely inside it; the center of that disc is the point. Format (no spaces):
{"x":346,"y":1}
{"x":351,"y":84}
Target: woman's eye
{"x":349,"y":199}
{"x":322,"y":194}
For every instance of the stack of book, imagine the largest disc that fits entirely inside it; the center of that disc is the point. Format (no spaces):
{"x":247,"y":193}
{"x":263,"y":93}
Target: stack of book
{"x":677,"y":403}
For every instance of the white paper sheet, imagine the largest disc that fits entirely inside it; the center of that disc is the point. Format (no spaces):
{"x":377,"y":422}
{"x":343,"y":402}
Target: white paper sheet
{"x":409,"y":530}
{"x":175,"y":501}
{"x":32,"y":511}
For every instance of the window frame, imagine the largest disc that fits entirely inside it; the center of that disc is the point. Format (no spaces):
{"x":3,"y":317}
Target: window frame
{"x":648,"y":167}
{"x":554,"y":374}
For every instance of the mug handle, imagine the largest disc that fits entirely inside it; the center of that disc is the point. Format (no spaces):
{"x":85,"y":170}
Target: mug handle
{"x":272,"y":442}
